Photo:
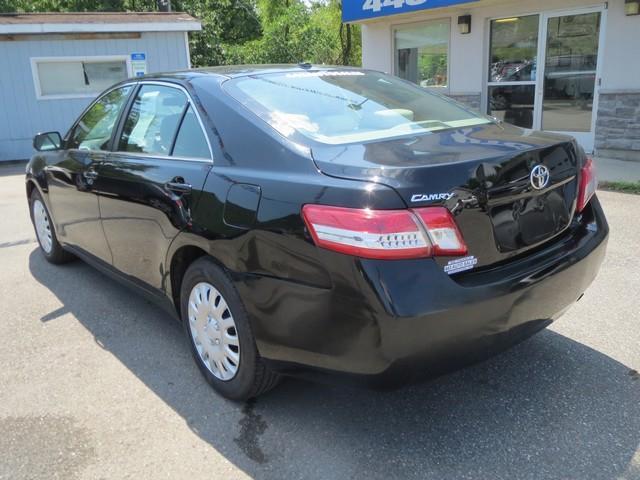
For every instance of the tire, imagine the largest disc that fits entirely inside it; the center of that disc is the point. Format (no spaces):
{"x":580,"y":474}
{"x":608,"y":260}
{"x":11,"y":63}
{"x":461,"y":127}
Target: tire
{"x":45,"y":232}
{"x":217,"y":327}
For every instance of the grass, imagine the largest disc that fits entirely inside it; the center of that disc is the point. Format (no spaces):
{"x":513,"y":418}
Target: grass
{"x":625,"y":187}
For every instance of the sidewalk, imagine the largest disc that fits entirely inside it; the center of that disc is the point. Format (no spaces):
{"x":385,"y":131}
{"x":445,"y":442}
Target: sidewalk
{"x":612,"y":170}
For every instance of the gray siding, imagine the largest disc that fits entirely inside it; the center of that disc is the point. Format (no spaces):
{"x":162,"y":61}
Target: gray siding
{"x":22,"y":115}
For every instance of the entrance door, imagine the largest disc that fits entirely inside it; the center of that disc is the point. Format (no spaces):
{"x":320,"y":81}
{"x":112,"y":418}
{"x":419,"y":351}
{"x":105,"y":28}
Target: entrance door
{"x":568,"y":83}
{"x":543,"y":72}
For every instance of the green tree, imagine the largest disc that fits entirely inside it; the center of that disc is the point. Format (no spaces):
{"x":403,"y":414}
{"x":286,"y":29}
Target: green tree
{"x":224,"y":22}
{"x":336,"y":43}
{"x":294,"y":32}
{"x":283,"y":24}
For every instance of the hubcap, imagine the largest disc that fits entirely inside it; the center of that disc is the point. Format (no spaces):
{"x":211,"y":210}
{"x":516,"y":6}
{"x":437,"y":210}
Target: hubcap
{"x":214,"y":331}
{"x":43,"y":227}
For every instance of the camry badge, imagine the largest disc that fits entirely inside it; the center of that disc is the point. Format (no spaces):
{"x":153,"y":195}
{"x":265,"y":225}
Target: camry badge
{"x":539,"y":177}
{"x":431,"y":197}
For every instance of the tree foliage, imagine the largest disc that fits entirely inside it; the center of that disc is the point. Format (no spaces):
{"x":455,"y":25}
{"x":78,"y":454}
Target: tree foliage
{"x":293,"y":31}
{"x":241,"y":31}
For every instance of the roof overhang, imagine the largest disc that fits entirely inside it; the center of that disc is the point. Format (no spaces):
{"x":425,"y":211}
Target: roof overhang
{"x":362,"y":10}
{"x":99,"y":27}
{"x":96,"y":22}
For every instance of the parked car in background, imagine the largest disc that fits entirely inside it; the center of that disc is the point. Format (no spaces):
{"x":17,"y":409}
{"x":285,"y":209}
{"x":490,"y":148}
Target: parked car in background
{"x":305,"y":220}
{"x":571,"y":77}
{"x":514,"y":71}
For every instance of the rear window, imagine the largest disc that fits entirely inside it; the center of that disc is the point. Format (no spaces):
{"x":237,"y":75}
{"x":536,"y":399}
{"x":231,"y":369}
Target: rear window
{"x":347,"y":106}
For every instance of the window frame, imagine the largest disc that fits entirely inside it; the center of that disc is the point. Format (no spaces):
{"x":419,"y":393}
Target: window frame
{"x":35,"y":61}
{"x":487,"y":66}
{"x":397,"y":26}
{"x":69,"y":133}
{"x":176,"y":135}
{"x":115,"y":139}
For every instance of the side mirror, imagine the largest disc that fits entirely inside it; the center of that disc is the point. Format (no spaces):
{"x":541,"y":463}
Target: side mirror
{"x":46,"y":142}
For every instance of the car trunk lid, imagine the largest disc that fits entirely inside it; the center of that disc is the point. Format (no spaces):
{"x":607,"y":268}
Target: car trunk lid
{"x":483,"y":174}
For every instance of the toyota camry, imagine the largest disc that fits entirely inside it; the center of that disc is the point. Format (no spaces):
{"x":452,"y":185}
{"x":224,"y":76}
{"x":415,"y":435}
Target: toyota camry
{"x":330,"y":222}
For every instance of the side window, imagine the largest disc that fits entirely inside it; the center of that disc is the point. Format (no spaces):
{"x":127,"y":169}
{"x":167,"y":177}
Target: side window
{"x":153,"y":120}
{"x":191,"y":141}
{"x":94,"y":129}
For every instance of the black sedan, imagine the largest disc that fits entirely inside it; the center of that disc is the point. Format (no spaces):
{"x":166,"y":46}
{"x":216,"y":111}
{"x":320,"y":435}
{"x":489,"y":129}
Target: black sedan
{"x":313,"y":221}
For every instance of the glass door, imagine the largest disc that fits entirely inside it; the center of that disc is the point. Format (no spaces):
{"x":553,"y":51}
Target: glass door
{"x":513,"y":57}
{"x":543,"y":72}
{"x":569,"y":76}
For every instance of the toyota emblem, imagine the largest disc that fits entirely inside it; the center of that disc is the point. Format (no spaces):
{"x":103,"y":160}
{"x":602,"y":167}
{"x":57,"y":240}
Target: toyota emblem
{"x":539,"y":177}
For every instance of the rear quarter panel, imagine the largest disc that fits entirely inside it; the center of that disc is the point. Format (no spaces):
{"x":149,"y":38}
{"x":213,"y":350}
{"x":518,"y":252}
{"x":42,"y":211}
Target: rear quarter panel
{"x":248,"y":151}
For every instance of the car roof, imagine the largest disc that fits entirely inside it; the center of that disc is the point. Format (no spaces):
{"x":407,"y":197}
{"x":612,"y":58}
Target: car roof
{"x":233,"y":71}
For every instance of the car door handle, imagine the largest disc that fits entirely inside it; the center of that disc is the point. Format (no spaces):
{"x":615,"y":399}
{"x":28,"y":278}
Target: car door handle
{"x":179,"y":188}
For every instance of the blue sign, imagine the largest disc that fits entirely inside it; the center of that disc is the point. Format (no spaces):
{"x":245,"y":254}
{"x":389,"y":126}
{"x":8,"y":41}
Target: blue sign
{"x":140,"y":57}
{"x":353,"y":10}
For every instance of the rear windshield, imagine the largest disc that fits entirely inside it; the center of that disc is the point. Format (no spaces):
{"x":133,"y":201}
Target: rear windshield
{"x":347,"y":106}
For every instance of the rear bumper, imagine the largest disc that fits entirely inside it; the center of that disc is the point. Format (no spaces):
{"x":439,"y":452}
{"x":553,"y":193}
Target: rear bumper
{"x":403,"y":319}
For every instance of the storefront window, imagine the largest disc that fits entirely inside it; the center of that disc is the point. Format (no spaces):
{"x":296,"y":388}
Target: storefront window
{"x":513,"y":69}
{"x":422,"y":53}
{"x":514,"y":49}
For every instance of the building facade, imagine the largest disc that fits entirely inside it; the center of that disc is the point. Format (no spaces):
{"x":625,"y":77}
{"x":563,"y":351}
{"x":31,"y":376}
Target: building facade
{"x":571,"y":66}
{"x":53,"y":65}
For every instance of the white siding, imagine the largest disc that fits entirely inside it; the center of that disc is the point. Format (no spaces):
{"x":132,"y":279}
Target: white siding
{"x":469,"y":53}
{"x":377,"y":46}
{"x":22,"y":115}
{"x":621,"y":58}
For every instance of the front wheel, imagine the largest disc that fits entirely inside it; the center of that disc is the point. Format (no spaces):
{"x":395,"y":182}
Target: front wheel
{"x":219,"y":333}
{"x":45,"y":232}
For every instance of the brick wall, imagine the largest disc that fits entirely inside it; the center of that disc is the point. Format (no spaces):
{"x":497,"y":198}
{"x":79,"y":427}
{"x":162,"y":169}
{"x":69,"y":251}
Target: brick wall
{"x":618,"y":125}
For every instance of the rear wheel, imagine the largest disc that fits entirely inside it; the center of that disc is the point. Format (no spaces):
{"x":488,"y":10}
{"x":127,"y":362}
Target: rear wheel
{"x":219,"y":333}
{"x":45,"y":232}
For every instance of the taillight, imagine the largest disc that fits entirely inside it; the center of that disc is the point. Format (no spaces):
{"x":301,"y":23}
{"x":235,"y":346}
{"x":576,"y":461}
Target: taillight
{"x":384,"y":234}
{"x":588,"y":184}
{"x":446,"y":238}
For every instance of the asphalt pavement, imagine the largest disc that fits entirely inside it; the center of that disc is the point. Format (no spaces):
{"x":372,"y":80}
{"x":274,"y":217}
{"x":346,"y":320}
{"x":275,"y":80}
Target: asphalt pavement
{"x":95,"y":382}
